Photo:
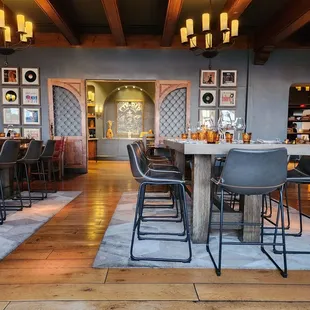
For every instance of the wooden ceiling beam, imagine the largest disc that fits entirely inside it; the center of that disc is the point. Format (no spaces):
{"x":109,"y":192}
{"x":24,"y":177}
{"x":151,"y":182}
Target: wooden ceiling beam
{"x":58,"y":19}
{"x":172,"y":16}
{"x":290,"y":19}
{"x":115,"y":23}
{"x":234,"y":8}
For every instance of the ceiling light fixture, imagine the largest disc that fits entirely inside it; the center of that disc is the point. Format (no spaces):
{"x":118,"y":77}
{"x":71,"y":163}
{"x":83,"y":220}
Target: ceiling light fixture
{"x":11,"y":42}
{"x":211,"y":49}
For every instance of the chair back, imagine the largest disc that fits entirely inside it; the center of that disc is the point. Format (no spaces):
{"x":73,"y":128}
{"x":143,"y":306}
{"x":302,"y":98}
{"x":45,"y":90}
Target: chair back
{"x":9,"y":151}
{"x":304,"y":165}
{"x":254,"y":172}
{"x":49,"y":148}
{"x":137,"y":163}
{"x":141,"y":145}
{"x":34,"y":150}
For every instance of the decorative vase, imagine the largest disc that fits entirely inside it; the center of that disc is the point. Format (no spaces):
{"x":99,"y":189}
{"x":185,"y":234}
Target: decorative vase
{"x":109,"y":134}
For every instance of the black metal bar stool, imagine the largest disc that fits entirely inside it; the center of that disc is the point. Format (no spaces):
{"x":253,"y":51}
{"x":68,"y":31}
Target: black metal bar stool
{"x":32,"y":157}
{"x":252,"y":172}
{"x":47,"y":158}
{"x":144,"y":176}
{"x":8,"y":158}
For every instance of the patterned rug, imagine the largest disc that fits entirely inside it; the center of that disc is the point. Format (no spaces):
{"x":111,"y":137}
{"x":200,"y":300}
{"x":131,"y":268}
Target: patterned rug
{"x":20,"y":225}
{"x":115,"y":246}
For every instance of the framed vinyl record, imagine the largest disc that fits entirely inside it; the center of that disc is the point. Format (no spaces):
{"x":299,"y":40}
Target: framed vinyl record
{"x":10,"y":96}
{"x":30,"y":76}
{"x":207,"y":98}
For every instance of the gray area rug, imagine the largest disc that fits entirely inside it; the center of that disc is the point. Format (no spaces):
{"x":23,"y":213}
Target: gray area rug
{"x":20,"y":225}
{"x":115,"y":246}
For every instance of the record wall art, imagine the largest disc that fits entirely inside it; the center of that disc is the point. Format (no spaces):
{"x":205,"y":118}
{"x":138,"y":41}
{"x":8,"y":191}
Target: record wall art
{"x":207,"y":98}
{"x":30,"y":76}
{"x":10,"y":96}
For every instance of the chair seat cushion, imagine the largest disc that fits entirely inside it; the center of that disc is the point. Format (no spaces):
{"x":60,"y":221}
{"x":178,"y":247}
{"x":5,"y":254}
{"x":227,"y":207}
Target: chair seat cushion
{"x":164,"y":176}
{"x":296,"y":176}
{"x":163,"y":167}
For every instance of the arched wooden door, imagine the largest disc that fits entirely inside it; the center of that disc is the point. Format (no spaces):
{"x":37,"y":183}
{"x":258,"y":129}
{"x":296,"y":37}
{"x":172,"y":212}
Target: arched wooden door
{"x":68,"y":117}
{"x":172,"y":109}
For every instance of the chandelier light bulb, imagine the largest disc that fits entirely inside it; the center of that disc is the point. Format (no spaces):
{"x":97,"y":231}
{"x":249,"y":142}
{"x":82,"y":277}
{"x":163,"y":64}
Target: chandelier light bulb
{"x":226,"y":37}
{"x":206,"y":22}
{"x":7,"y":34}
{"x":183,"y":34}
{"x":223,"y":21}
{"x":2,"y":19}
{"x":208,"y":39}
{"x":193,"y":42}
{"x":234,"y":28}
{"x":20,"y":23}
{"x":23,"y":37}
{"x":29,"y":29}
{"x":190,"y":27}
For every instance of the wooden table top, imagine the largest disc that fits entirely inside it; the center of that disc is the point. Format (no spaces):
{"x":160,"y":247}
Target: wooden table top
{"x":203,"y":148}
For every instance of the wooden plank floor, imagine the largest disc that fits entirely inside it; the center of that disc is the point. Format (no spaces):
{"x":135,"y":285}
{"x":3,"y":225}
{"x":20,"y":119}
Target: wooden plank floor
{"x":52,"y":269}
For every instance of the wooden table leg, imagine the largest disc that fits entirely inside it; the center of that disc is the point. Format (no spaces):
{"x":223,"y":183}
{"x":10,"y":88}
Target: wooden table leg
{"x":201,"y":176}
{"x":252,"y":208}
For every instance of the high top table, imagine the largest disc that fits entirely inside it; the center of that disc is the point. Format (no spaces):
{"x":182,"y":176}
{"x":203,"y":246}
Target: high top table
{"x":204,"y":155}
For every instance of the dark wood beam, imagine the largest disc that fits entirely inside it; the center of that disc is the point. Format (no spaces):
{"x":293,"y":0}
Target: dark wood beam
{"x":58,"y":19}
{"x":172,"y":17}
{"x":290,"y":19}
{"x":113,"y":17}
{"x":234,"y":8}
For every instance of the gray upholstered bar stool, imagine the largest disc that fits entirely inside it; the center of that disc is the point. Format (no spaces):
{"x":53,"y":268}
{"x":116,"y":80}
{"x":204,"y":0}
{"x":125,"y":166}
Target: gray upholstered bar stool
{"x":8,"y":158}
{"x":32,"y":157}
{"x":252,"y":172}
{"x":144,"y":176}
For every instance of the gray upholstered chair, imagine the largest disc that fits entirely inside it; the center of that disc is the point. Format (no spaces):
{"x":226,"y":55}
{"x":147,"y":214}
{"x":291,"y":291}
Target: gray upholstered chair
{"x":146,"y":176}
{"x":252,"y":172}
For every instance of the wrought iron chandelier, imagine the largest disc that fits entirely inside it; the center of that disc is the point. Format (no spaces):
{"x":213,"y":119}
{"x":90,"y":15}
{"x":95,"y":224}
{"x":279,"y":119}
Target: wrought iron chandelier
{"x":22,"y":39}
{"x":211,"y":49}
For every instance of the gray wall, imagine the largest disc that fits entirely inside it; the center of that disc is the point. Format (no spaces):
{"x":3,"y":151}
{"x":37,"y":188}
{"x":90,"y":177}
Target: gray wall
{"x":268,"y":89}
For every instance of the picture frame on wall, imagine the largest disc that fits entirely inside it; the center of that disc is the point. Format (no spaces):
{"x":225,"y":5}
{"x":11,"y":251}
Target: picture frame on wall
{"x":11,"y":116}
{"x":228,"y":98}
{"x":30,"y":76}
{"x":10,"y":96}
{"x":9,"y":76}
{"x":31,"y":116}
{"x":31,"y":96}
{"x":207,"y":116}
{"x":226,"y":112}
{"x":14,"y":129}
{"x":228,"y":78}
{"x":207,"y":97}
{"x":208,"y":78}
{"x":32,"y":133}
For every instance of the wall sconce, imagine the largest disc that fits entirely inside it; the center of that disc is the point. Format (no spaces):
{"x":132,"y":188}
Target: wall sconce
{"x":98,"y":111}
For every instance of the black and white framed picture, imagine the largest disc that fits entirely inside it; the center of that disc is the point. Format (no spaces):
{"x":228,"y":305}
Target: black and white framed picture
{"x":11,"y":116}
{"x":208,"y":78}
{"x":31,"y":96}
{"x":207,"y":97}
{"x":229,"y":78}
{"x":207,"y":116}
{"x":228,"y":98}
{"x":9,"y":76}
{"x":32,"y":133}
{"x":10,"y":96}
{"x":30,"y":76}
{"x":31,"y":116}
